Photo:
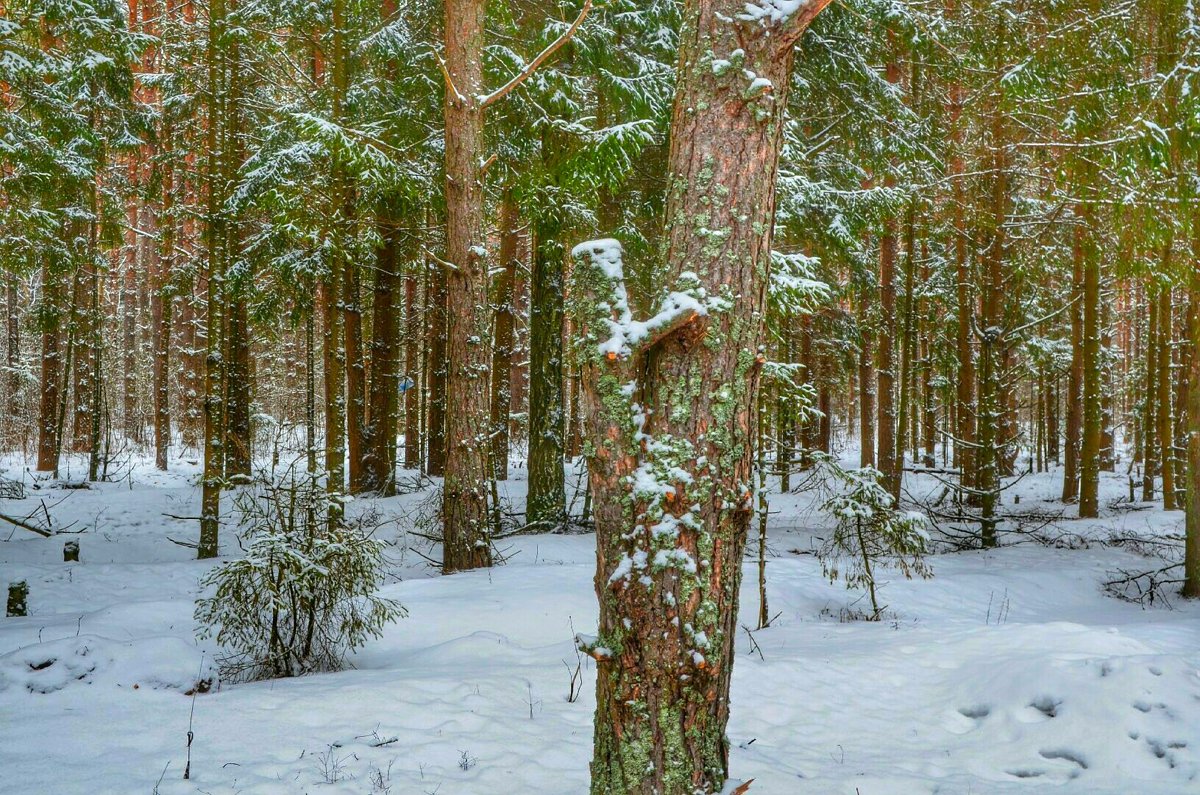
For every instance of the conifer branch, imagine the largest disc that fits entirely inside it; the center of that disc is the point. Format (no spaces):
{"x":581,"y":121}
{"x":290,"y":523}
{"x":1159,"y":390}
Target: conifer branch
{"x":541,"y":58}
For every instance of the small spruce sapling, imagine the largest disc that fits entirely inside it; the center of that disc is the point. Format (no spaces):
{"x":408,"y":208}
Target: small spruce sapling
{"x":304,"y":595}
{"x":870,"y":532}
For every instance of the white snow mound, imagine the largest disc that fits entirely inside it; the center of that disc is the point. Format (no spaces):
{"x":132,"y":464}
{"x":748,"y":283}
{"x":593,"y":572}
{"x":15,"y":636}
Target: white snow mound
{"x":162,"y":663}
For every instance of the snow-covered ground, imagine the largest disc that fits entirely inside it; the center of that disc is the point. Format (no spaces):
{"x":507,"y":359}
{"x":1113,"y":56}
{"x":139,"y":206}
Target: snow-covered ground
{"x":1009,"y":671}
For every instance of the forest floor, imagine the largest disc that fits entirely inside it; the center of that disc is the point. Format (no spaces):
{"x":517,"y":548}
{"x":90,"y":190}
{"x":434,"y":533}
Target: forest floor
{"x":1009,"y":671}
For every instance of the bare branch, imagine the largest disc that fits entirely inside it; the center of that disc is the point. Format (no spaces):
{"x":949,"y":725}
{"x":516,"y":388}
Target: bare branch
{"x":541,"y":58}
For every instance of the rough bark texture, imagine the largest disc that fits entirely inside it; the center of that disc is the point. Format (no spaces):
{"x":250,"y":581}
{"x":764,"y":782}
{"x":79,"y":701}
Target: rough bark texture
{"x":1089,"y":448}
{"x":379,"y":462}
{"x":161,"y":311}
{"x":671,"y":418}
{"x":357,"y":443}
{"x":238,"y":451}
{"x":1149,"y":405}
{"x":1191,"y":563}
{"x":412,"y":395}
{"x":503,"y":338}
{"x":547,"y":417}
{"x":465,"y":543}
{"x":435,"y":370}
{"x":866,"y":380}
{"x":215,"y":231}
{"x":886,"y":358}
{"x":1166,"y":429}
{"x":1074,"y":394}
{"x":50,"y":321}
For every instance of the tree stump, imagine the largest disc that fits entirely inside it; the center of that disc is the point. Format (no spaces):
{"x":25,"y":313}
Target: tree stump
{"x":18,"y":594}
{"x":71,"y":552}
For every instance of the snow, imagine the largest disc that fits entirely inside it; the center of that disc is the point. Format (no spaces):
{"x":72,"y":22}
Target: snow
{"x":774,"y":10}
{"x":1008,"y":672}
{"x":626,"y":333}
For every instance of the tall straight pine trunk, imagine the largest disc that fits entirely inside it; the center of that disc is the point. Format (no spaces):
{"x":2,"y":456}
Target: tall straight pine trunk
{"x":465,"y":543}
{"x":1191,"y":562}
{"x":503,"y":338}
{"x":670,"y":412}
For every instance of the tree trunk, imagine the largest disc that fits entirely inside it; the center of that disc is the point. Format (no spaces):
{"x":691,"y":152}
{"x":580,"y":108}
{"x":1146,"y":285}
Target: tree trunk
{"x":435,"y":416}
{"x":502,"y":345}
{"x":866,"y":381}
{"x":1089,"y":450}
{"x":379,"y":461}
{"x":412,"y":395}
{"x":547,"y":409}
{"x":357,"y":444}
{"x":671,"y":416}
{"x":1191,"y":563}
{"x":465,"y":543}
{"x":160,"y":311}
{"x":50,"y":321}
{"x":1163,"y":415}
{"x":214,"y":363}
{"x":12,"y":376}
{"x":1074,"y":394}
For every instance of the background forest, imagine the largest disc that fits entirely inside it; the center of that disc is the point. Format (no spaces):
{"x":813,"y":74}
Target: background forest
{"x":251,"y":237}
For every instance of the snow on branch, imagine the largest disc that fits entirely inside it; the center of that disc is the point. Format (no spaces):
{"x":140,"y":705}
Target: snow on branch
{"x":777,"y":11}
{"x":627,"y":335}
{"x":541,"y":58}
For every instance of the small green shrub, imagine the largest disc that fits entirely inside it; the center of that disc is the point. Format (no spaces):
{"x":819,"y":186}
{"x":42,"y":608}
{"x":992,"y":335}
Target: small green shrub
{"x":870,"y":532}
{"x":304,"y":595}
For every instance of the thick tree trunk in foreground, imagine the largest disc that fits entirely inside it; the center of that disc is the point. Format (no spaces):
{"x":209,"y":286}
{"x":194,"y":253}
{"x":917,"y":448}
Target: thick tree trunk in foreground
{"x":465,"y":543}
{"x":670,"y":409}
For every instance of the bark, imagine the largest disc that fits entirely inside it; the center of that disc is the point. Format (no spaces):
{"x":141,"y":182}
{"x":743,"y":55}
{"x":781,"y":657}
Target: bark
{"x":547,"y":409}
{"x":50,"y":321}
{"x":129,"y":312}
{"x":1093,"y":414}
{"x":236,"y":285}
{"x":679,"y":408}
{"x":160,"y":312}
{"x":465,"y":543}
{"x":379,"y":462}
{"x":503,"y":337}
{"x":1166,"y":426}
{"x":237,"y":421}
{"x":908,"y":346}
{"x":965,"y":416}
{"x":1149,"y":398}
{"x":83,"y":357}
{"x":412,"y":395}
{"x":866,"y":380}
{"x":435,"y":417}
{"x":333,"y":342}
{"x":886,"y":358}
{"x":1074,"y":393}
{"x":1191,"y":563}
{"x":215,"y":232}
{"x":357,"y":442}
{"x":12,"y":376}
